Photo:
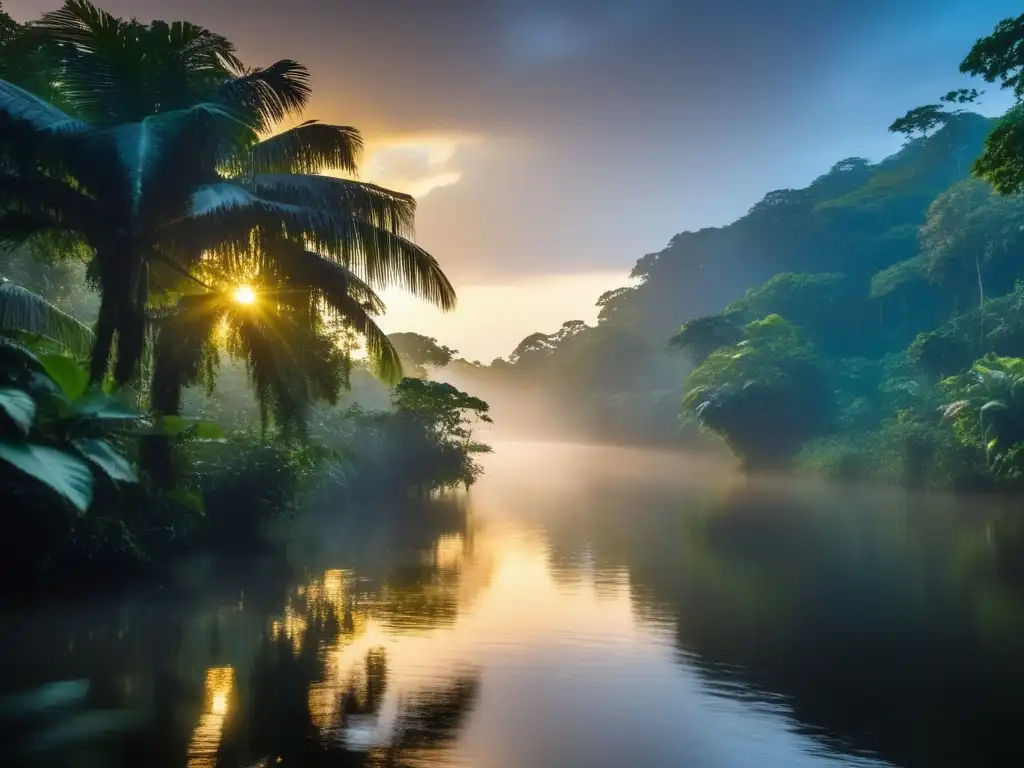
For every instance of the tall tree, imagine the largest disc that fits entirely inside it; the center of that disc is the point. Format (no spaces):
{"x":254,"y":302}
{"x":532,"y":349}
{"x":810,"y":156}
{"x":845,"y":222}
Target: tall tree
{"x":967,"y":235}
{"x":165,"y":166}
{"x":419,"y":352}
{"x":999,"y":57}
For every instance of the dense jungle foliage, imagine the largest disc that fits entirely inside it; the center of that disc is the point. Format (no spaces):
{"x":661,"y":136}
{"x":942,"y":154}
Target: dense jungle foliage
{"x":184,"y":295}
{"x":866,"y":325}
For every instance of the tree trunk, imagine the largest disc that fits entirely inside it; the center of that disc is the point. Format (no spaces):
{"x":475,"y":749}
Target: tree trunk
{"x":118,"y":290}
{"x":131,"y":334}
{"x":156,"y":452}
{"x":106,"y":323}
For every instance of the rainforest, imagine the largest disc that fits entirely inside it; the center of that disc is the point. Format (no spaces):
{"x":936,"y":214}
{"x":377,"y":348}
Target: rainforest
{"x":183,"y":297}
{"x":864,"y":327}
{"x":758,"y":506}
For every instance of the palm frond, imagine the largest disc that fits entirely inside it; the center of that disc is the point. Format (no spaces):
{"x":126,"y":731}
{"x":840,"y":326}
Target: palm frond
{"x":391,"y":211}
{"x":114,"y":71}
{"x":160,"y":156}
{"x":303,"y":268}
{"x":308,"y":148}
{"x":22,"y":110}
{"x":18,"y":227}
{"x":227,"y":211}
{"x":274,"y":365}
{"x":268,"y":94}
{"x":195,"y":49}
{"x":183,"y":64}
{"x":80,"y":25}
{"x":379,"y":348}
{"x":95,"y":52}
{"x":51,"y":200}
{"x":23,"y":311}
{"x":184,"y":343}
{"x":390,"y":260}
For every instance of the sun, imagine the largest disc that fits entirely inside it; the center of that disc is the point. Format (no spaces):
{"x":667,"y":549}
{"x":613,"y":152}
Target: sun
{"x":244,"y":294}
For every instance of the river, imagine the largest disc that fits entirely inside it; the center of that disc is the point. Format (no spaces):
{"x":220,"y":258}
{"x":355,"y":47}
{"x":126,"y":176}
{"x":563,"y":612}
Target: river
{"x":581,"y":606}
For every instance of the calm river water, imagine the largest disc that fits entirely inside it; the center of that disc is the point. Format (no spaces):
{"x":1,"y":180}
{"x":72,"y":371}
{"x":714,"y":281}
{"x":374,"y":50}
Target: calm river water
{"x":582,"y":606}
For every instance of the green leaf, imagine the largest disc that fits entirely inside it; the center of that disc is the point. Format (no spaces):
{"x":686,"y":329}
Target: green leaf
{"x":14,"y":354}
{"x":99,"y":405}
{"x":44,"y":381}
{"x":23,"y":311}
{"x":191,"y":499}
{"x":71,"y":377}
{"x":993,"y":406}
{"x":170,"y":426}
{"x":207,"y":430}
{"x":19,"y":406}
{"x":65,"y":473}
{"x":103,"y":455}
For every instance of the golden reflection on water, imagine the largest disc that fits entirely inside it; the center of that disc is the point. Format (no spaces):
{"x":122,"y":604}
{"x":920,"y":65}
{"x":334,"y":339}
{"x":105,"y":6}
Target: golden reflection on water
{"x":292,"y":626}
{"x":514,"y":639}
{"x":206,"y":738}
{"x":421,"y":627}
{"x":449,"y":550}
{"x":566,"y":622}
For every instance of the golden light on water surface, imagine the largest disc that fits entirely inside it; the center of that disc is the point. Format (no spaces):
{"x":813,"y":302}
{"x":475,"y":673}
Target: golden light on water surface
{"x":219,"y":703}
{"x":202,"y":750}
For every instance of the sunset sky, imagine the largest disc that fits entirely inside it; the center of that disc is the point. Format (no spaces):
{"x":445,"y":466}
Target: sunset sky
{"x":553,"y":143}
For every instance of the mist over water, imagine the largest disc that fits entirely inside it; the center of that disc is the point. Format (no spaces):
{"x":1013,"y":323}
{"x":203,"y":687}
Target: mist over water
{"x":583,"y":605}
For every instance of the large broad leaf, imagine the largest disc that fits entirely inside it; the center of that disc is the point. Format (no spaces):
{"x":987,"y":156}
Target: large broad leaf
{"x":65,"y":473}
{"x":68,"y":374}
{"x":206,"y":430}
{"x":170,"y":425}
{"x":99,"y":405}
{"x":19,"y":406}
{"x":193,"y":500}
{"x":16,"y":356}
{"x":23,"y":311}
{"x":102,"y":454}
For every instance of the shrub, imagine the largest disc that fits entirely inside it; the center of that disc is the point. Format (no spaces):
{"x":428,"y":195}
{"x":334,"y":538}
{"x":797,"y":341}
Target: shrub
{"x":764,"y":396}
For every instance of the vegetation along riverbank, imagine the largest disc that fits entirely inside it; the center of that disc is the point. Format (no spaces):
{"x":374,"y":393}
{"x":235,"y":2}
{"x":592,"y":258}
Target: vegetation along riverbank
{"x":188,"y":315}
{"x":868,"y":325}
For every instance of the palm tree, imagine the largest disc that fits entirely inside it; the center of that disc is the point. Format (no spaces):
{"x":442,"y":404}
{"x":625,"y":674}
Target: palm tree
{"x":163,"y":164}
{"x":26,"y":314}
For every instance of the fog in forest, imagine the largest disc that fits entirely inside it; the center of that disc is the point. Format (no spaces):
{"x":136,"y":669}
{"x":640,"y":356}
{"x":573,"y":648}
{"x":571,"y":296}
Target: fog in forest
{"x":500,"y":384}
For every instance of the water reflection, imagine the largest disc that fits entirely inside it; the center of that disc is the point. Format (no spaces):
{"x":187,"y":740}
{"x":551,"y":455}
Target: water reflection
{"x":206,"y":738}
{"x":585,"y":607}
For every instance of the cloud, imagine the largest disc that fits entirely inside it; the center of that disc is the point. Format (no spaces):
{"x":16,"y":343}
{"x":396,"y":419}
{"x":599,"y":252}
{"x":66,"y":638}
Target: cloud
{"x":416,"y":165}
{"x":604,"y":126}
